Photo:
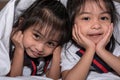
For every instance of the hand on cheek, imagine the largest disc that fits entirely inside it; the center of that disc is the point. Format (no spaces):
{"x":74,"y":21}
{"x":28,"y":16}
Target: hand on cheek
{"x":57,"y":51}
{"x":105,"y":40}
{"x":57,"y":54}
{"x":81,"y":39}
{"x":17,"y":39}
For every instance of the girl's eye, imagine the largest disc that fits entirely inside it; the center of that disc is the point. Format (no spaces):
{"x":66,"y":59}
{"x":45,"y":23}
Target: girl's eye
{"x":51,"y":44}
{"x":36,"y":36}
{"x":104,"y":18}
{"x":85,"y":18}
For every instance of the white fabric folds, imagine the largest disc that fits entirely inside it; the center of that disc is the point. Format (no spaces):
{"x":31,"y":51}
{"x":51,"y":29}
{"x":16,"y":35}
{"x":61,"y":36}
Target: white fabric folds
{"x":6,"y":22}
{"x":8,"y":15}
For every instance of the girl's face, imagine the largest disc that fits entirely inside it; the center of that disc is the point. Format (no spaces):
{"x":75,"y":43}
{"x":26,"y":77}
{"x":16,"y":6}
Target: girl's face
{"x":93,"y":20}
{"x":37,"y":44}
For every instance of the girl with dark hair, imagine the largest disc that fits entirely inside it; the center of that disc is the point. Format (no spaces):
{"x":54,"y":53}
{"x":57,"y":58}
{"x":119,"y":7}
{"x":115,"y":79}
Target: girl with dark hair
{"x":93,"y":46}
{"x":37,"y":37}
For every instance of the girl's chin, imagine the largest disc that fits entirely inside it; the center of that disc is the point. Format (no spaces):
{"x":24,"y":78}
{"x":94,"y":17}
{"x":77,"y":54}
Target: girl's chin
{"x":30,"y":54}
{"x":96,"y":41}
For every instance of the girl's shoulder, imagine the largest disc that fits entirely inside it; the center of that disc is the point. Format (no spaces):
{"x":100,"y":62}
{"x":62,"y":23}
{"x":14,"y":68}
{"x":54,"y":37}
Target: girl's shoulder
{"x":69,"y":52}
{"x":69,"y":48}
{"x":68,"y":56}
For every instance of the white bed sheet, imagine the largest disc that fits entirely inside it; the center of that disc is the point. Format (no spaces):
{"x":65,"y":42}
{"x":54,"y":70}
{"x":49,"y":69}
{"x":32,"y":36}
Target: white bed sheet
{"x":6,"y":21}
{"x":25,"y":78}
{"x":104,"y":76}
{"x":7,"y":15}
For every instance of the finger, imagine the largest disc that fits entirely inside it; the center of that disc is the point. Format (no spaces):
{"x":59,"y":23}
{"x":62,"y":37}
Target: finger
{"x":108,"y":35}
{"x":17,"y":36}
{"x":110,"y":31}
{"x":80,"y":35}
{"x":14,"y":30}
{"x":74,"y":33}
{"x":57,"y":50}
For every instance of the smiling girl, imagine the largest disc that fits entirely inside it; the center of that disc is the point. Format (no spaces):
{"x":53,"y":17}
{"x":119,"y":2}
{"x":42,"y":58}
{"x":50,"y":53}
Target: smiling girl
{"x":92,"y":52}
{"x":37,"y":37}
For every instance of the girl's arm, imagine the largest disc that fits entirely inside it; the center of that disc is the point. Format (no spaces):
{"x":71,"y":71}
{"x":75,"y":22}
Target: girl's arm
{"x":54,"y":70}
{"x":18,"y":58}
{"x":81,"y":69}
{"x":109,"y":58}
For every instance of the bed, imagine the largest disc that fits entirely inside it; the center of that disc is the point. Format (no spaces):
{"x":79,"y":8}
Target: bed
{"x":25,"y":78}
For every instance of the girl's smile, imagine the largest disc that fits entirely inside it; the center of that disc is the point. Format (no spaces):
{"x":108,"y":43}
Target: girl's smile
{"x":95,"y":36}
{"x":33,"y":53}
{"x":37,"y":44}
{"x":93,"y":21}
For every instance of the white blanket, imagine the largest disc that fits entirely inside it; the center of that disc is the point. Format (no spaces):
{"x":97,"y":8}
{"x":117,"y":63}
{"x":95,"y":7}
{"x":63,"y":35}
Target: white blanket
{"x":104,"y":76}
{"x":25,"y":78}
{"x":117,"y":27}
{"x":6,"y":23}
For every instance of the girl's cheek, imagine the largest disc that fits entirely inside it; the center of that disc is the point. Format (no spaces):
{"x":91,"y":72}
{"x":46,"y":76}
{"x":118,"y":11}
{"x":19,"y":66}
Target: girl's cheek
{"x":105,"y":24}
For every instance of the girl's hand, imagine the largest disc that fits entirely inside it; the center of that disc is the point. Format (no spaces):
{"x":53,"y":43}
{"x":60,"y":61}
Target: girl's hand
{"x":57,"y":52}
{"x":17,"y":40}
{"x":104,"y":41}
{"x":18,"y":57}
{"x":81,"y":39}
{"x":54,"y":71}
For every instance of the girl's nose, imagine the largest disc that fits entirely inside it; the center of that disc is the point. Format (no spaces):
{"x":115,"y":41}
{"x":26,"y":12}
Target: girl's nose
{"x":96,"y":25}
{"x":40,"y":47}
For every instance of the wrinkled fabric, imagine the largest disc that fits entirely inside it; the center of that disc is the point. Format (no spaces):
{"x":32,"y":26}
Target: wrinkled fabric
{"x":6,"y":22}
{"x":117,"y":26}
{"x":8,"y":15}
{"x":21,"y":7}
